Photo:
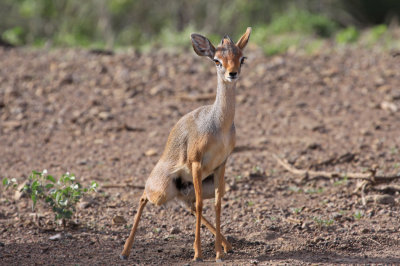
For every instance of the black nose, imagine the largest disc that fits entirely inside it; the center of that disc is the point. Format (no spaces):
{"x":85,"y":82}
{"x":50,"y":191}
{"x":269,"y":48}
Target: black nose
{"x":232,"y":74}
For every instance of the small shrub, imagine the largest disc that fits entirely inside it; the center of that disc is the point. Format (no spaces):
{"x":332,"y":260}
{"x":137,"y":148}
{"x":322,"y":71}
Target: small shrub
{"x":358,"y":215}
{"x":14,"y":36}
{"x":347,"y":35}
{"x":377,"y":32}
{"x":323,"y":222}
{"x":61,"y":196}
{"x":297,"y":210}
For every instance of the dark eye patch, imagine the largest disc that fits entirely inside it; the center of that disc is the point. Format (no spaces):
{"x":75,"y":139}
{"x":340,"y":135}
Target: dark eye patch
{"x":217,"y":62}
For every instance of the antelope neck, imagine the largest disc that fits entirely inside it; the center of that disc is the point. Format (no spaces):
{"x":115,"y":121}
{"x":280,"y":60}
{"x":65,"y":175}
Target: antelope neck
{"x":224,"y":106}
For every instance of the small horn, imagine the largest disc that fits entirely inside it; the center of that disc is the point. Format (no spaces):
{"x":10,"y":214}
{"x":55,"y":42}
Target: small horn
{"x":226,"y":37}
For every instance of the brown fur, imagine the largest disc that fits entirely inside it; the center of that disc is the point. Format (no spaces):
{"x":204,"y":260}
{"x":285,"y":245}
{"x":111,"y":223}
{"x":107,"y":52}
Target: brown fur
{"x":198,"y":146}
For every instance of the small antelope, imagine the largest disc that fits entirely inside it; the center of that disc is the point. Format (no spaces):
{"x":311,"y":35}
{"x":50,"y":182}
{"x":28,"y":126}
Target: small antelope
{"x":192,"y":165}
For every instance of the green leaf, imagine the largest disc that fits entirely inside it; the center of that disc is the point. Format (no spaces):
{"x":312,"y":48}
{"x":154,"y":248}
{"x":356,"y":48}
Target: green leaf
{"x":58,"y":196}
{"x":35,"y":173}
{"x":48,"y":186}
{"x":6,"y":182}
{"x":35,"y":185}
{"x":50,"y":178}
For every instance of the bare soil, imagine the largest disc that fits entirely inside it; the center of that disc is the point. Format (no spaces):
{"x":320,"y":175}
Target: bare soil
{"x":107,"y":117}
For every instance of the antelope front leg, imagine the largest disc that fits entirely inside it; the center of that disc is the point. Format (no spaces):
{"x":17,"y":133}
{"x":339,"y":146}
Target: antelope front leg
{"x":219,"y":184}
{"x":197,"y":182}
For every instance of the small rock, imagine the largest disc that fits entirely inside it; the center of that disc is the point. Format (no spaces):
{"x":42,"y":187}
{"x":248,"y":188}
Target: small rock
{"x":254,"y":262}
{"x":336,"y":216}
{"x":384,"y":199}
{"x":56,"y":237}
{"x":151,"y":152}
{"x":174,"y":231}
{"x":84,"y":204}
{"x":389,"y":106}
{"x":105,"y":115}
{"x":82,"y":162}
{"x":118,"y":220}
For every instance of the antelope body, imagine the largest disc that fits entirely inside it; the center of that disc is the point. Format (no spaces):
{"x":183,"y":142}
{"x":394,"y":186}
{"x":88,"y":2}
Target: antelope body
{"x":192,"y":165}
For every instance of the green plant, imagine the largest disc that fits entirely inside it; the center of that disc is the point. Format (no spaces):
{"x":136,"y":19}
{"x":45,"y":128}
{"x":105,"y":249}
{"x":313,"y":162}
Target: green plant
{"x":347,"y":35}
{"x":257,"y":169}
{"x":7,"y":183}
{"x":295,"y":189}
{"x":342,"y":181}
{"x":323,"y":222}
{"x":14,"y":35}
{"x":61,"y":196}
{"x":358,"y":215}
{"x":297,"y":210}
{"x":297,"y":20}
{"x":238,"y":177}
{"x":314,"y":191}
{"x":375,"y":33}
{"x":394,"y":150}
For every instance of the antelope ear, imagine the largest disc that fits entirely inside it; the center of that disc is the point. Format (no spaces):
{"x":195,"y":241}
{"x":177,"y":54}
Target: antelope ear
{"x":202,"y":46}
{"x":244,"y":39}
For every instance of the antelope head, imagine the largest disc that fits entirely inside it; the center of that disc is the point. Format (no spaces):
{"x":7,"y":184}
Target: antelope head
{"x":228,"y":56}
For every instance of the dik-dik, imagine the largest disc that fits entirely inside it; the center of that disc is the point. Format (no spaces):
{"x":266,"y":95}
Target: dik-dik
{"x":192,"y":165}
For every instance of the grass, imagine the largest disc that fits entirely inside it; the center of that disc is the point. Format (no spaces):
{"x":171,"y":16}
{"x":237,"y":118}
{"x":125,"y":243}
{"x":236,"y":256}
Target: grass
{"x":297,"y":210}
{"x":342,"y":181}
{"x":306,"y":191}
{"x":323,"y":222}
{"x":358,"y":215}
{"x":294,"y":30}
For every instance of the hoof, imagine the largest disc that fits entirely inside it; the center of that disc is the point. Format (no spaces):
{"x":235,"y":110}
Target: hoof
{"x":123,"y":257}
{"x":219,"y":260}
{"x":230,"y":251}
{"x":198,"y":260}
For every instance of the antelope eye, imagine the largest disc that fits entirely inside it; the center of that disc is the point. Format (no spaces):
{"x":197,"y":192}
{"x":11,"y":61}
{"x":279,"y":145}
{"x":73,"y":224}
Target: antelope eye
{"x":217,"y":62}
{"x":242,"y":60}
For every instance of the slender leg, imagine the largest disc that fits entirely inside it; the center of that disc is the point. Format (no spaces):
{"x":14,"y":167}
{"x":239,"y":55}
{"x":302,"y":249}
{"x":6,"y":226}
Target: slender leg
{"x":227,"y":246}
{"x":196,"y":172}
{"x":219,"y":183}
{"x":129,"y":242}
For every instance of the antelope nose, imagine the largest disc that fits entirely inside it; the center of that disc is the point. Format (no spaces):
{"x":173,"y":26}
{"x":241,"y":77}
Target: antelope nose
{"x":232,"y":74}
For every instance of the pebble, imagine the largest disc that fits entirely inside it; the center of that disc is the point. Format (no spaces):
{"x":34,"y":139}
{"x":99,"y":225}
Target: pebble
{"x":174,"y":231}
{"x":150,"y":152}
{"x":336,"y":216}
{"x":384,"y":199}
{"x":56,"y":237}
{"x":84,"y":204}
{"x":118,"y":220}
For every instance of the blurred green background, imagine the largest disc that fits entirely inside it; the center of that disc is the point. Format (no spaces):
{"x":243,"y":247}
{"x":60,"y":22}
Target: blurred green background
{"x":278,"y":26}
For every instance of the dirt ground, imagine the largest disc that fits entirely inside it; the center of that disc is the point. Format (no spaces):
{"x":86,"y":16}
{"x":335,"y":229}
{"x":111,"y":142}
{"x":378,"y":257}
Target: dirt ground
{"x":107,"y":117}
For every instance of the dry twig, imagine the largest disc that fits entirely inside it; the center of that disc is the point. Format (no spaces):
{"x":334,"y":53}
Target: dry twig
{"x":368,"y":179}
